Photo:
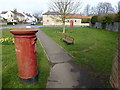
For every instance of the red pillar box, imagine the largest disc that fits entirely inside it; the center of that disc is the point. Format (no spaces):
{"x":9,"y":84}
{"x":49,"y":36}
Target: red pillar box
{"x":25,"y":40}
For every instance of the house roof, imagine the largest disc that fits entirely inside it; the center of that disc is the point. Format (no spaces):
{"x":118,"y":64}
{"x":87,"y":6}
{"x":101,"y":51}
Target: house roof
{"x":28,"y":14}
{"x":20,"y":14}
{"x":74,"y":16}
{"x":4,"y":12}
{"x":77,"y":16}
{"x":68,"y":16}
{"x":51,"y":13}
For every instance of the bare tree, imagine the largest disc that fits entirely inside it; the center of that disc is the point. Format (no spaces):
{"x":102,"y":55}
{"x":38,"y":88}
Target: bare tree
{"x":116,"y":9}
{"x":93,"y":11}
{"x":64,"y":8}
{"x":38,"y":14}
{"x":104,"y":8}
{"x":87,"y":10}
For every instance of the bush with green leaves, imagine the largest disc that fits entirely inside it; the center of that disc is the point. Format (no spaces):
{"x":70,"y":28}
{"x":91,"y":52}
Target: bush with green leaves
{"x":107,"y":19}
{"x":94,"y":19}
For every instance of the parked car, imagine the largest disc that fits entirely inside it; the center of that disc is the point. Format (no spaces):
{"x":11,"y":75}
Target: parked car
{"x":38,"y":22}
{"x":33,"y":23}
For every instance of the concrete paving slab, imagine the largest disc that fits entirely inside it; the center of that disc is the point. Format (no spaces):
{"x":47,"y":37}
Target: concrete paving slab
{"x":61,"y":75}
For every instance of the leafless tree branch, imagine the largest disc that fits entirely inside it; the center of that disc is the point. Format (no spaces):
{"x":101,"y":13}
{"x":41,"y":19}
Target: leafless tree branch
{"x":65,"y":7}
{"x":37,"y":14}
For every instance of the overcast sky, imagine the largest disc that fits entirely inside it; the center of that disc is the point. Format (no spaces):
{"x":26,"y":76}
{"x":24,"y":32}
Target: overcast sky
{"x":31,"y":6}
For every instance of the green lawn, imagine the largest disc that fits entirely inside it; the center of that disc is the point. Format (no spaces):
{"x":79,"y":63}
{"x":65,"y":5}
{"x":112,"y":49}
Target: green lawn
{"x":94,"y":49}
{"x":9,"y":66}
{"x":39,"y":24}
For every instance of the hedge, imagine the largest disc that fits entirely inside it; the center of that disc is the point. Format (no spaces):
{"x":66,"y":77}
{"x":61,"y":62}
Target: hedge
{"x":106,"y":18}
{"x":85,"y":20}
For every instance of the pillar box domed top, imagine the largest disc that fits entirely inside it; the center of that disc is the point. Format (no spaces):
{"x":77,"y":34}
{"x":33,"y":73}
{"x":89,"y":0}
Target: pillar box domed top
{"x":24,"y":31}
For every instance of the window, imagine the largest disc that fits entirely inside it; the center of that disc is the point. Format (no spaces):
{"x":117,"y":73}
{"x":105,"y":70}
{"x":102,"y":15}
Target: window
{"x":75,"y":20}
{"x":68,"y":20}
{"x":8,"y":15}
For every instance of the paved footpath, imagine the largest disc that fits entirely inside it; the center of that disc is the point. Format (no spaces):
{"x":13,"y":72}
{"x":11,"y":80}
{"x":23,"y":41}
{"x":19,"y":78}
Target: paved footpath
{"x":64,"y":74}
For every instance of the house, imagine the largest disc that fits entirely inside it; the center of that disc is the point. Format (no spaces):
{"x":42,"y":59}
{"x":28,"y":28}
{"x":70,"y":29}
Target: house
{"x":8,"y":15}
{"x":19,"y":16}
{"x":12,"y":16}
{"x":53,"y":18}
{"x":74,"y":19}
{"x":29,"y":18}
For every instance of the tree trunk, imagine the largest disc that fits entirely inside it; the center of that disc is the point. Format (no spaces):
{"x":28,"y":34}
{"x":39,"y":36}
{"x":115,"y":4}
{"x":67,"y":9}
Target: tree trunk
{"x":63,"y":27}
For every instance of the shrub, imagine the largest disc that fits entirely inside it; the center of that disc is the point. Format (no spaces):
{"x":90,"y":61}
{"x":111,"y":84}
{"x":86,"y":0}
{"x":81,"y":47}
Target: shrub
{"x":107,"y":19}
{"x":4,"y":19}
{"x":85,"y":20}
{"x":94,"y":19}
{"x":21,"y":22}
{"x":118,"y":16}
{"x":103,"y":17}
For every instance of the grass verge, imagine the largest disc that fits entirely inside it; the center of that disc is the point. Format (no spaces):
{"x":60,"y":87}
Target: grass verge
{"x":94,"y":49}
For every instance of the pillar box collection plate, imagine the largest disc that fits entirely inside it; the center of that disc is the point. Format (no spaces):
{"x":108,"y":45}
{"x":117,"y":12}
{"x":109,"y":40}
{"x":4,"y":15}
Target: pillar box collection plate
{"x":25,"y":47}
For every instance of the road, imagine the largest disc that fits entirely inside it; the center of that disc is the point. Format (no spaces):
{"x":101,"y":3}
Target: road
{"x":20,"y":26}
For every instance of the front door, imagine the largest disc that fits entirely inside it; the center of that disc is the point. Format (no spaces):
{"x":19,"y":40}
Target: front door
{"x":71,"y":23}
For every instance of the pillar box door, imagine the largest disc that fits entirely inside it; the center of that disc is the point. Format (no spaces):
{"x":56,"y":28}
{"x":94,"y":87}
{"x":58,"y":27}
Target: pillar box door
{"x":71,"y":23}
{"x":25,"y":40}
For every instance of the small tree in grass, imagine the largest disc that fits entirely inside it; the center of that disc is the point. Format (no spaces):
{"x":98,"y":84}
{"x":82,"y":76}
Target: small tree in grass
{"x":64,"y":8}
